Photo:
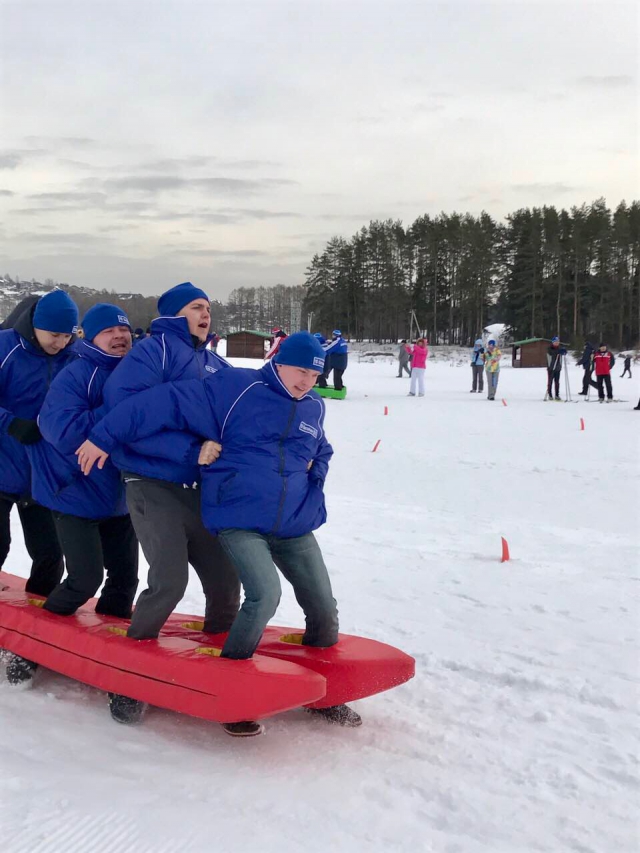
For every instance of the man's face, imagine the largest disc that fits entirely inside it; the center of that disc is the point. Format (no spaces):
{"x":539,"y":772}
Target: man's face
{"x":198,"y":314}
{"x":116,"y":340}
{"x":52,"y":342}
{"x":297,"y":380}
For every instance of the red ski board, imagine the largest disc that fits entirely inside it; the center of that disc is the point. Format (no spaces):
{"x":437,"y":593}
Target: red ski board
{"x":180,"y":671}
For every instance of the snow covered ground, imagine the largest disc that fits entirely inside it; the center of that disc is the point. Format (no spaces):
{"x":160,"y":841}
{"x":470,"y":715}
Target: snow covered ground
{"x":519,"y":732}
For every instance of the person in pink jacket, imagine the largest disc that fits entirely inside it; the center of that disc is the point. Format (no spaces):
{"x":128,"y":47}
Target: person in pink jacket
{"x":419,"y":353}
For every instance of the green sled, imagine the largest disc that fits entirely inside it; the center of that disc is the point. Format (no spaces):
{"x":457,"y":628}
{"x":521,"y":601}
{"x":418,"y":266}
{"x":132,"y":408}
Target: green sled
{"x":331,"y":392}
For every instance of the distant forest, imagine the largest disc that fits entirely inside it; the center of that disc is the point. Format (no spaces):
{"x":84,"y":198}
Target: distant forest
{"x":542,"y":272}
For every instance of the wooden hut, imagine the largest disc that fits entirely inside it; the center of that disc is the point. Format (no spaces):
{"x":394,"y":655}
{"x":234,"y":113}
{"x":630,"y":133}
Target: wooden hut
{"x":247,"y":344}
{"x":531,"y":352}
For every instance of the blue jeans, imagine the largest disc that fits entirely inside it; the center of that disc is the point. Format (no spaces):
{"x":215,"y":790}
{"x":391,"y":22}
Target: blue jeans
{"x":300,"y":561}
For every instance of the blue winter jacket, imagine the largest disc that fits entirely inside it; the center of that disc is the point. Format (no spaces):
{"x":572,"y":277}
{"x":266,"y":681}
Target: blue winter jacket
{"x":476,"y":355}
{"x":274,"y":459}
{"x":337,"y":354}
{"x":169,"y":355}
{"x":26,"y":372}
{"x":71,"y":409}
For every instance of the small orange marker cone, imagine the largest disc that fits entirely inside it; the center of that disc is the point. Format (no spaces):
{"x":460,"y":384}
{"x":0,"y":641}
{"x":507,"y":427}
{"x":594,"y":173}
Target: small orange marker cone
{"x":386,"y":410}
{"x":376,"y":446}
{"x":581,"y":424}
{"x":504,"y":402}
{"x":505,"y":550}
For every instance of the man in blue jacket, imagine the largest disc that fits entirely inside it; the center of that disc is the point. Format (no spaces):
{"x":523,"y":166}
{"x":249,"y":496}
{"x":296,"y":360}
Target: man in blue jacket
{"x":264,"y":496}
{"x":31,"y":355}
{"x":90,"y":513}
{"x":336,"y":352}
{"x":162,"y":475}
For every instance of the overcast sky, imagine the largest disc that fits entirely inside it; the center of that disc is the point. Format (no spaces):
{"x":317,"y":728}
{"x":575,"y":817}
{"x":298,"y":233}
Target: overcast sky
{"x":142,"y":144}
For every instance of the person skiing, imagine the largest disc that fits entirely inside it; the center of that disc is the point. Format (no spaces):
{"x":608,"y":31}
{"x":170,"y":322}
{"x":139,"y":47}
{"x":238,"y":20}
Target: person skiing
{"x":627,"y":367}
{"x":32,"y":353}
{"x":603,"y":361}
{"x":491,"y":360}
{"x":419,"y":356}
{"x":278,"y":337}
{"x":586,"y":362}
{"x":404,"y":359}
{"x":477,"y":367}
{"x":555,"y":354}
{"x":337,"y":354}
{"x":264,"y":496}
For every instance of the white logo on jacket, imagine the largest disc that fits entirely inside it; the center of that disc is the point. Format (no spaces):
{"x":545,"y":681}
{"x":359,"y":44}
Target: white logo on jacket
{"x":308,"y":428}
{"x":210,"y":369}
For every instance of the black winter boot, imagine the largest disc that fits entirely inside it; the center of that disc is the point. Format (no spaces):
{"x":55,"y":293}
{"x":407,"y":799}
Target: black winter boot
{"x":20,"y":670}
{"x":341,"y":715}
{"x":125,"y":710}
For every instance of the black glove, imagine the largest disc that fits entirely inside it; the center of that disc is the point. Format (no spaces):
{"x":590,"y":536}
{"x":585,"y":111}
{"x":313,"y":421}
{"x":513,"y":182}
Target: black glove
{"x":24,"y":431}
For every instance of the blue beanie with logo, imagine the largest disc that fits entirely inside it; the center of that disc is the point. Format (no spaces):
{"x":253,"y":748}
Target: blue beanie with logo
{"x":555,"y":340}
{"x":56,"y":312}
{"x":177,"y":297}
{"x":103,"y":316}
{"x":301,"y":350}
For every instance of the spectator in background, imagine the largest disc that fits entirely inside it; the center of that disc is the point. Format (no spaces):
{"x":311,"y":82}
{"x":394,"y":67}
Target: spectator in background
{"x":555,"y":354}
{"x":491,"y":359}
{"x":603,"y":361}
{"x":404,"y":359}
{"x":477,"y":367}
{"x":276,"y":341}
{"x":419,"y":355}
{"x":337,"y":355}
{"x":627,"y":367}
{"x":586,"y":362}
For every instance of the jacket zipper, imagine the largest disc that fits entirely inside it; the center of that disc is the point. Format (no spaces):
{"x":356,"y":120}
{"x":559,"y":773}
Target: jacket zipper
{"x":284,"y":484}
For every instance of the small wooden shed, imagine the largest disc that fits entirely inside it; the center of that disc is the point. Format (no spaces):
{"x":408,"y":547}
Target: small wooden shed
{"x":247,"y":344}
{"x":532,"y":352}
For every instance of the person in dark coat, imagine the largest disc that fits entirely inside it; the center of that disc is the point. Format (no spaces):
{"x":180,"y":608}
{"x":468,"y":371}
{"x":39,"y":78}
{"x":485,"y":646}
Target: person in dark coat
{"x":336,"y":351}
{"x":264,"y":496}
{"x":586,"y":362}
{"x":138,"y":335}
{"x":627,"y":367}
{"x":555,"y":354}
{"x":91,"y":516}
{"x":32,"y":353}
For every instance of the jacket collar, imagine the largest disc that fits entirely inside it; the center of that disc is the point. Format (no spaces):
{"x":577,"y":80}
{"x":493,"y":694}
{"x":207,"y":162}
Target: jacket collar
{"x":98,"y":357}
{"x":176,"y":326}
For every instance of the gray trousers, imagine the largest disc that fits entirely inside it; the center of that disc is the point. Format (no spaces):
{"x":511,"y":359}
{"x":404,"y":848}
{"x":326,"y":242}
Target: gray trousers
{"x":167,"y":521}
{"x":478,"y":378}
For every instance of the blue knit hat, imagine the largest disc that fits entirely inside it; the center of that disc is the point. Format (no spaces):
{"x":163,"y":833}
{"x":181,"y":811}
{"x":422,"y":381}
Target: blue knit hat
{"x":491,"y":343}
{"x":301,"y":350}
{"x":336,"y":332}
{"x":556,"y":339}
{"x":103,"y":316}
{"x":175,"y":299}
{"x":56,"y":312}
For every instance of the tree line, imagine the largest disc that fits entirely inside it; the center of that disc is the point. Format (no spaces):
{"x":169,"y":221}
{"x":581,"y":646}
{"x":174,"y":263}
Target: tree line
{"x":542,"y":272}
